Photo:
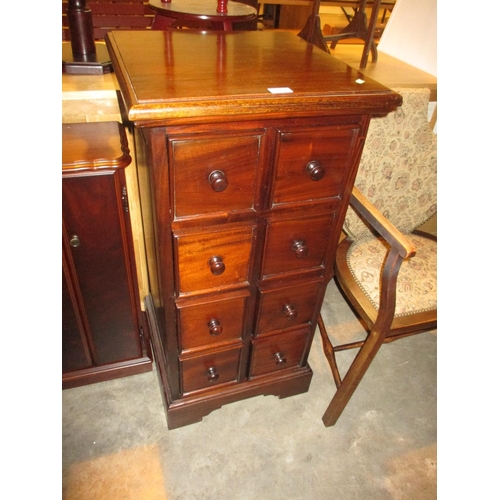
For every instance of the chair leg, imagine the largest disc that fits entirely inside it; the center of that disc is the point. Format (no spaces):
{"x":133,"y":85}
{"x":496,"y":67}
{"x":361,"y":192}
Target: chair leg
{"x":353,"y":377}
{"x":329,"y":352}
{"x":375,"y":339}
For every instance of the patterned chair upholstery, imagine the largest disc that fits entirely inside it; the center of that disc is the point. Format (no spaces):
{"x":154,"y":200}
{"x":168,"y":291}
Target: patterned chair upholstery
{"x":386,"y":269}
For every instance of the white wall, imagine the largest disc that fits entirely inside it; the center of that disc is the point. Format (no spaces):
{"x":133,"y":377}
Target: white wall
{"x":411,"y":34}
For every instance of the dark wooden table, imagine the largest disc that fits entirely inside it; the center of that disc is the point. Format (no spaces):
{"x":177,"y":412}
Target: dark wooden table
{"x":202,"y":12}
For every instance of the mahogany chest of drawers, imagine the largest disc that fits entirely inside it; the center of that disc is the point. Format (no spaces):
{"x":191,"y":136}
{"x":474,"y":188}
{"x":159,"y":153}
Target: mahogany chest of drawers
{"x":247,"y":146}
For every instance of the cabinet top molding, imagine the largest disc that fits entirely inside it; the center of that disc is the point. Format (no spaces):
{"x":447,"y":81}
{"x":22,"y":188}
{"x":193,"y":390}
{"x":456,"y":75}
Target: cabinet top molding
{"x":94,"y":146}
{"x":179,"y":76}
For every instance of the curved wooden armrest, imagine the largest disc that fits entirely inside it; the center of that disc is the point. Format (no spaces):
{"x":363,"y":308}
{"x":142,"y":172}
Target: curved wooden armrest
{"x":381,"y":225}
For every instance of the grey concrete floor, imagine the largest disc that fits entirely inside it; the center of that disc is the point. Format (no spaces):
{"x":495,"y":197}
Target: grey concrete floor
{"x":116,"y":444}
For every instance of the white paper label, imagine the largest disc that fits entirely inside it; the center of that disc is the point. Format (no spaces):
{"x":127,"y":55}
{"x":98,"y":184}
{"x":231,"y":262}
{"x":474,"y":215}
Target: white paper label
{"x":280,"y":90}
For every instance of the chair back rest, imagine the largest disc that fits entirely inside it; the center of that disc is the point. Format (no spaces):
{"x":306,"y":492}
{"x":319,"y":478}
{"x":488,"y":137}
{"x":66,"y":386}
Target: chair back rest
{"x":398,"y":167}
{"x":110,"y":15}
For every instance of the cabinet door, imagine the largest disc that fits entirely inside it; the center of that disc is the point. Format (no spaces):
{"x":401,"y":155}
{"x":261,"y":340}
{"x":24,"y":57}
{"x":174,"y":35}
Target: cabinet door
{"x":75,"y":349}
{"x":94,"y":221}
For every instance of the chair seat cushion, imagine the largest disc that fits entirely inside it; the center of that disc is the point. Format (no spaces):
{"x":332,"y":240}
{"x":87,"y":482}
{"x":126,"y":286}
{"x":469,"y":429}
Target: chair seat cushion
{"x":417,"y":279}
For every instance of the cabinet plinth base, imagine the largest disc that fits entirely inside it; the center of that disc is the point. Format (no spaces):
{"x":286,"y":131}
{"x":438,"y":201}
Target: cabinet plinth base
{"x":107,"y":372}
{"x":192,"y":408}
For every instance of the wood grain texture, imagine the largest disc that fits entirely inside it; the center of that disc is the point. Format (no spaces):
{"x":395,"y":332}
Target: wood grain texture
{"x":191,"y":76}
{"x":254,"y":244}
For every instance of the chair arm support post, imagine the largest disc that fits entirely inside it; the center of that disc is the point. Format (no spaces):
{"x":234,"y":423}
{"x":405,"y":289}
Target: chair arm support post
{"x":381,"y":225}
{"x":387,"y":299}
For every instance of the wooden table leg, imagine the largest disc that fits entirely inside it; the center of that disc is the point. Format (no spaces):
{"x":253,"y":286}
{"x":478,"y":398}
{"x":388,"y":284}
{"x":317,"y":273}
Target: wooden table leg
{"x":311,"y":32}
{"x":369,"y":43}
{"x":355,"y":29}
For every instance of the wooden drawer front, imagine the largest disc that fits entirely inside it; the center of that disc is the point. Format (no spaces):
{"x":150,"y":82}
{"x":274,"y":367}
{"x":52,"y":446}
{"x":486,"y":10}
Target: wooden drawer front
{"x":295,"y":244}
{"x":213,"y":259}
{"x":312,"y":164}
{"x":215,"y":174}
{"x":287,"y":307}
{"x":207,"y":323}
{"x":209,"y":370}
{"x":278,"y":352}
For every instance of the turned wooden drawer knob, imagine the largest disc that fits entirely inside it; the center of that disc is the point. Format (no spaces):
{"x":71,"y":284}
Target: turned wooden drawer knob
{"x":212,"y":374}
{"x":218,"y":180}
{"x":74,"y":242}
{"x":300,"y":249}
{"x":289,"y":311}
{"x":214,"y":327}
{"x":315,"y":170}
{"x":279,"y":358}
{"x":216,"y":266}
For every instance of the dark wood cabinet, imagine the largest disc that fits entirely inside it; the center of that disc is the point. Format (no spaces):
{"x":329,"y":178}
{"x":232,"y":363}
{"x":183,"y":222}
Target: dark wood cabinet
{"x":244,"y":193}
{"x":104,"y":332}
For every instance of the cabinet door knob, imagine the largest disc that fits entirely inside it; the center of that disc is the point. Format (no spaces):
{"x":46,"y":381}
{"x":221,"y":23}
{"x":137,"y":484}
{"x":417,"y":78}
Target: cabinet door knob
{"x":315,"y":170}
{"x":216,"y":265}
{"x":214,"y":327}
{"x":280,"y":358}
{"x":289,"y":311}
{"x":300,"y":249}
{"x":74,"y":241}
{"x":212,"y":374}
{"x":218,"y":180}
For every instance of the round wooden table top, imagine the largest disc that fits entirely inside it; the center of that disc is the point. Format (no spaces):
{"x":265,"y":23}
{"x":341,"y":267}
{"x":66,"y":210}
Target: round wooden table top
{"x":203,"y":10}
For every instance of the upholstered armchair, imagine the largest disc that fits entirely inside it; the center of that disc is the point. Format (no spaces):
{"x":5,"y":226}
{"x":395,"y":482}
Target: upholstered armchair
{"x":385,"y":268}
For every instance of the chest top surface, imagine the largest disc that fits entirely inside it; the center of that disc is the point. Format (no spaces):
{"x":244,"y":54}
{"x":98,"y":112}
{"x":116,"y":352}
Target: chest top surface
{"x":167,"y":75}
